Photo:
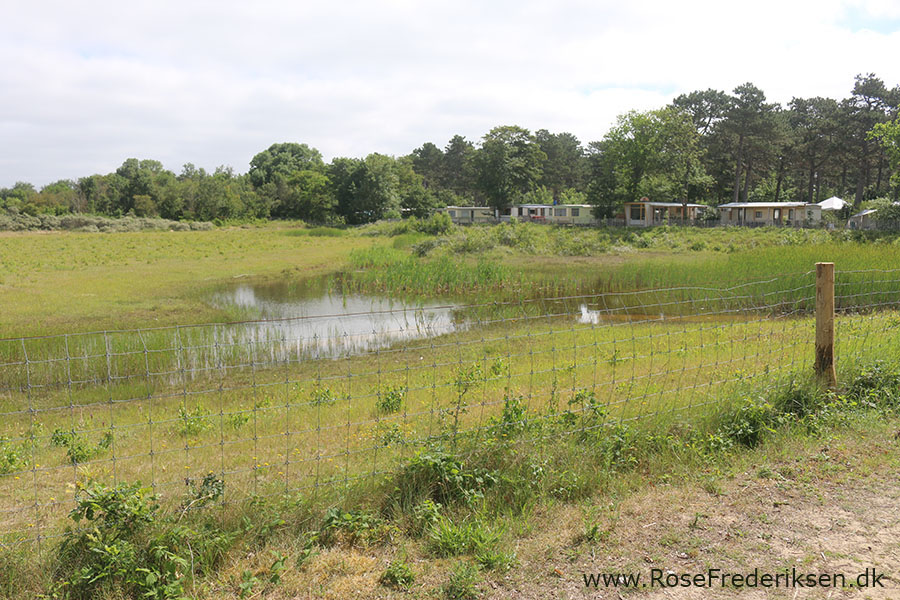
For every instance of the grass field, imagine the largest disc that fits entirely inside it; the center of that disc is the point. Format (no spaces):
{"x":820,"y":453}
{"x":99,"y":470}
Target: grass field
{"x":58,"y":282}
{"x":169,"y":404}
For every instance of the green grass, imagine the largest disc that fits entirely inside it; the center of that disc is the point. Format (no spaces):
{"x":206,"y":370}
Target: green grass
{"x":65,"y":282}
{"x":308,"y":425}
{"x":488,"y":420}
{"x":525,"y":472}
{"x":55,"y":282}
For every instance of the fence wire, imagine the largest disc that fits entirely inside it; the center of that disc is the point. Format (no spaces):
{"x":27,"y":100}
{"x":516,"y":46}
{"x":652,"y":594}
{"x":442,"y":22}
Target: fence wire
{"x":312,"y":403}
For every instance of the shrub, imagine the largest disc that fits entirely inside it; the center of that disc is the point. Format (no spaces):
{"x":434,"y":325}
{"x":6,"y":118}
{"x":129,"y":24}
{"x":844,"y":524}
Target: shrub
{"x":461,"y":585}
{"x":876,"y":384}
{"x":108,"y":552}
{"x":125,"y":547}
{"x":440,"y":477}
{"x":238,"y":419}
{"x":514,"y":418}
{"x":398,"y":575}
{"x":744,"y":426}
{"x":77,"y":449}
{"x":210,"y":489}
{"x":322,"y":396}
{"x":352,"y":526}
{"x":13,"y":457}
{"x":450,"y":539}
{"x":426,"y":514}
{"x":192,"y":423}
{"x":390,"y":400}
{"x":436,"y":224}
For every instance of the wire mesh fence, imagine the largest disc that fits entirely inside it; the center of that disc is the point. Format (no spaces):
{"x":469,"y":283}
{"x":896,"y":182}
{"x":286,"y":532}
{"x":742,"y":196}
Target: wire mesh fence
{"x":318,"y":403}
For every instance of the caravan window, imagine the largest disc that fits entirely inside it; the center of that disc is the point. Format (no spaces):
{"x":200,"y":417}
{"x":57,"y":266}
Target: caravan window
{"x":635,"y":212}
{"x":575,"y":212}
{"x":452,"y":213}
{"x":759,"y":214}
{"x":559,"y":212}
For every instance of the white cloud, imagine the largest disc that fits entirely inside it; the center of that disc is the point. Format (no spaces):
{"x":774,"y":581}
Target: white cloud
{"x":88,"y":84}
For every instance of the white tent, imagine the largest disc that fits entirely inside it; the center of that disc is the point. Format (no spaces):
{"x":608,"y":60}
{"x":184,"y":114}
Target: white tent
{"x":833,"y":203}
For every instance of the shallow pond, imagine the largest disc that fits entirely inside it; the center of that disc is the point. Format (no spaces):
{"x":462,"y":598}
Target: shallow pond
{"x":311,"y":318}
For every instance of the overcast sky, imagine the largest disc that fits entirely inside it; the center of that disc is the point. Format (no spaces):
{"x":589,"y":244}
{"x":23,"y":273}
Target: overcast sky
{"x":87,"y":84}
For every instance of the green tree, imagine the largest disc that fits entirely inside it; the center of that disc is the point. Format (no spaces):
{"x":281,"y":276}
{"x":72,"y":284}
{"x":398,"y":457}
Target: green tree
{"x":18,"y":196}
{"x":564,"y":166}
{"x":888,"y":135}
{"x":750,"y":123}
{"x":60,"y":197}
{"x":601,"y":188}
{"x":428,"y":162}
{"x":656,"y":154}
{"x":707,"y":108}
{"x":281,"y":161}
{"x":365,"y":190}
{"x":508,"y":164}
{"x":813,"y":124}
{"x":140,"y":178}
{"x":308,"y":197}
{"x":871,"y":103}
{"x":458,"y":172}
{"x":272,"y":172}
{"x":415,"y":198}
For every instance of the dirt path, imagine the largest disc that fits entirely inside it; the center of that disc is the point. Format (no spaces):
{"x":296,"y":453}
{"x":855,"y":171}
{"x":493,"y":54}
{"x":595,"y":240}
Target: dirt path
{"x":834,"y":511}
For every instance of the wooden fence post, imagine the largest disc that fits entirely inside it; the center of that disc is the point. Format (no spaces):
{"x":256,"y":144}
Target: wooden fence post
{"x":825,"y":324}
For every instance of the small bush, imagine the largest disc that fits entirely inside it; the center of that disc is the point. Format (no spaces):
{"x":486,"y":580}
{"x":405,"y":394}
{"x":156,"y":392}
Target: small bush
{"x":877,"y":385}
{"x":450,"y":539}
{"x":514,"y":418}
{"x":398,"y":575}
{"x":440,"y":477}
{"x":13,"y":457}
{"x":436,"y":224}
{"x":744,"y":426}
{"x":238,"y":419}
{"x":426,"y":514}
{"x":389,"y":400}
{"x":389,"y":434}
{"x":209,"y":490}
{"x":461,"y":585}
{"x":108,"y":553}
{"x":77,"y":449}
{"x":584,"y":411}
{"x":192,"y":423}
{"x":353,"y":526}
{"x":322,"y":396}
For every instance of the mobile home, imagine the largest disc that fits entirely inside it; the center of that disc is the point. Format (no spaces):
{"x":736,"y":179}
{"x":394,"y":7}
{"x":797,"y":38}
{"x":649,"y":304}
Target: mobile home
{"x":463,"y":215}
{"x":647,"y":214}
{"x":769,"y":213}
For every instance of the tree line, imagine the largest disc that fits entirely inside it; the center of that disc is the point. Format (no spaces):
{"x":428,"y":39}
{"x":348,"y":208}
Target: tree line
{"x":708,"y":146}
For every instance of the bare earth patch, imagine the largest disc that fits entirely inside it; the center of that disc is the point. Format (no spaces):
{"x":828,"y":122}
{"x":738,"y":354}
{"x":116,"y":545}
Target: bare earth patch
{"x":834,"y":511}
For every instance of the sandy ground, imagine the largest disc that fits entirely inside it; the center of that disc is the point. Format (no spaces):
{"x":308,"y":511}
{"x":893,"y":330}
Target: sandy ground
{"x":835,"y":511}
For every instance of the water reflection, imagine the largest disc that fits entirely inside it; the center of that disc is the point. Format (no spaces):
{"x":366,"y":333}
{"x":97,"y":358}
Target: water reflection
{"x":307,"y":320}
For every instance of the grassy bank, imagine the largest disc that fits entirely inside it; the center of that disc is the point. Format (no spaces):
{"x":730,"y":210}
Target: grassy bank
{"x":54,"y":282}
{"x":450,"y":520}
{"x":63,"y":282}
{"x":107,"y":409}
